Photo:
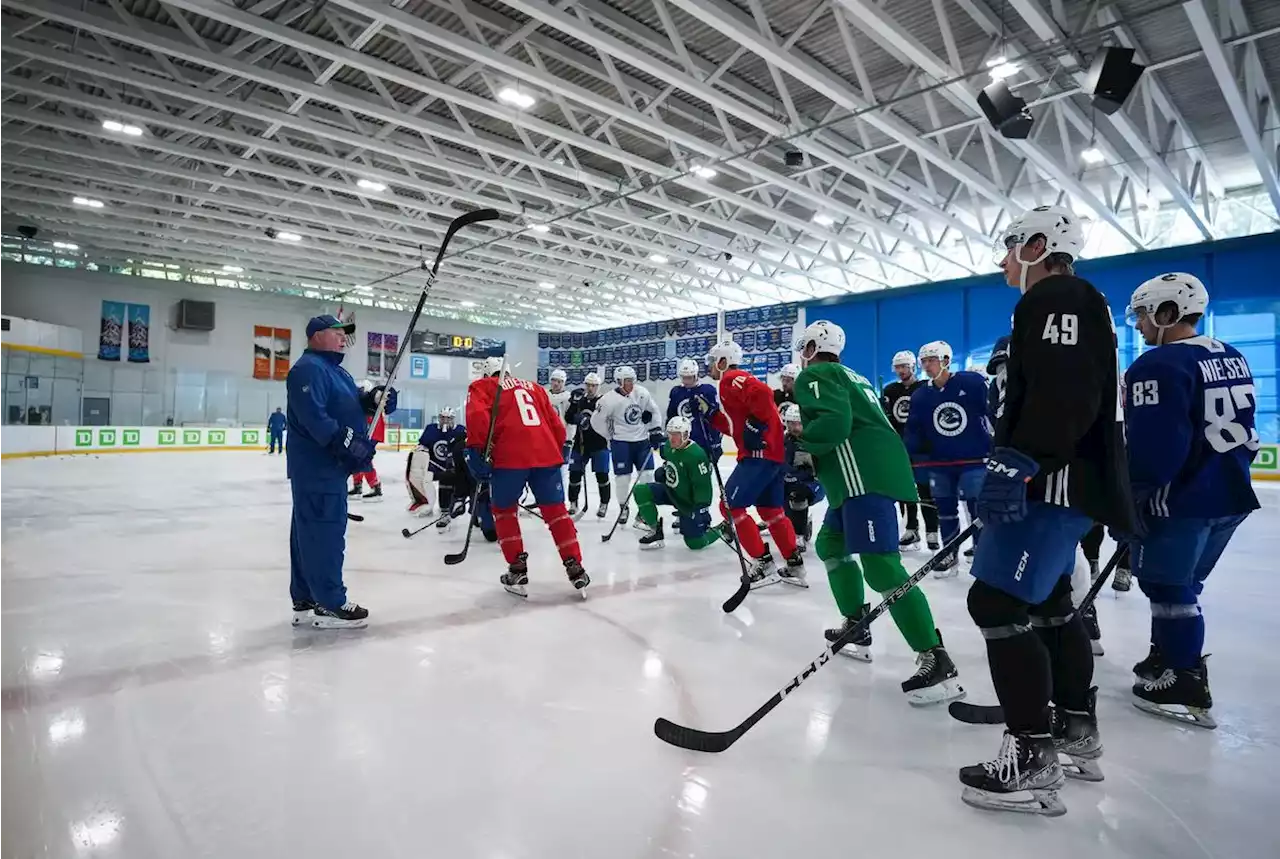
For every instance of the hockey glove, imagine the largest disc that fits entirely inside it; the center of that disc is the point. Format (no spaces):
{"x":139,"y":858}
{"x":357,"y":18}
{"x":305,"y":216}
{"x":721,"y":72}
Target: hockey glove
{"x":803,"y":460}
{"x":714,"y":451}
{"x":705,"y":406}
{"x":753,"y":435}
{"x":655,"y":438}
{"x":696,"y":523}
{"x":480,"y":468}
{"x":646,"y":416}
{"x":1003,"y":498}
{"x":566,"y":449}
{"x":390,"y":394}
{"x":353,"y":449}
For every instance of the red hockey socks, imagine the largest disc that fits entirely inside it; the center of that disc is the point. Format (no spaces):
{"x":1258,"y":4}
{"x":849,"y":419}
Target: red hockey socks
{"x":562,"y":529}
{"x":507,"y":524}
{"x":749,"y":533}
{"x":780,"y":529}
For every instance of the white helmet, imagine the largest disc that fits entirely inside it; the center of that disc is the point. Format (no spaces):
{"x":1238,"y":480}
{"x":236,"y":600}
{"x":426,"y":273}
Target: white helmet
{"x":689,"y":367}
{"x":366,"y":385}
{"x":821,"y":336}
{"x":1061,"y":230}
{"x":790,"y":371}
{"x":939,"y":349}
{"x":726,"y":350}
{"x":906,"y":356}
{"x":558,"y":376}
{"x":623,"y":373}
{"x":591,"y":379}
{"x":679,"y":424}
{"x":448,"y":414}
{"x":790,"y":413}
{"x":1182,"y":289}
{"x":492,"y":365}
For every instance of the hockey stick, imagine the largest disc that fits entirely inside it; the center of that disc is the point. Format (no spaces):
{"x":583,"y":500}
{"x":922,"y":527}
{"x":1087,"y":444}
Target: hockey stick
{"x":586,"y":498}
{"x":730,"y":605}
{"x":616,"y":522}
{"x":458,"y":557}
{"x":406,"y":533}
{"x":993,"y":714}
{"x":529,"y":508}
{"x":355,"y":517}
{"x":717,"y":741}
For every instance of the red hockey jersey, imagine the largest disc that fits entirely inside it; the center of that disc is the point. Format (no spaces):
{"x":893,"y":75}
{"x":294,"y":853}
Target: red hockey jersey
{"x":378,"y":433}
{"x":743,"y":396}
{"x":528,"y":432}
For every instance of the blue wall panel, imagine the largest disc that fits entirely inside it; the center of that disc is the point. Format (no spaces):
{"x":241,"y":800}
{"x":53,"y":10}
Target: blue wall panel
{"x":903,"y":320}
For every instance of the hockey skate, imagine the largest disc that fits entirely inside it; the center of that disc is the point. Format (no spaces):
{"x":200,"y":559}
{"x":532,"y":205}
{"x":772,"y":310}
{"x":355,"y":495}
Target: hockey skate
{"x":654,"y":538}
{"x":603,"y":510}
{"x":577,"y":576}
{"x":968,"y":555}
{"x":1149,"y":668}
{"x":421,"y":508}
{"x":1180,"y":694}
{"x":302,"y":612}
{"x":860,"y":647}
{"x":933,"y":540}
{"x":1024,"y":777}
{"x":935,"y":678}
{"x":374,"y":493}
{"x":350,"y":616}
{"x":356,"y":490}
{"x":624,"y":515}
{"x":910,"y":540}
{"x":763,"y":571}
{"x":793,"y":573}
{"x":1095,"y":631}
{"x":1077,"y":741}
{"x":516,"y":579}
{"x":1123,"y":579}
{"x":948,"y":567}
{"x":573,"y":507}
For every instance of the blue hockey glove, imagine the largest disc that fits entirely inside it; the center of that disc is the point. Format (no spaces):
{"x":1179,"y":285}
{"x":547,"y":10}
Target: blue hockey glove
{"x":1003,"y":498}
{"x":392,"y":398}
{"x":715,"y":450}
{"x":656,"y":438}
{"x":566,"y":449}
{"x":353,"y":449}
{"x":480,"y":468}
{"x":696,"y":523}
{"x":753,"y":435}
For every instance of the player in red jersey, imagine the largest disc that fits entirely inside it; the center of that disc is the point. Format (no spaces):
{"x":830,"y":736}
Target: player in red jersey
{"x":748,"y":413}
{"x":370,"y":394}
{"x":527,"y":445}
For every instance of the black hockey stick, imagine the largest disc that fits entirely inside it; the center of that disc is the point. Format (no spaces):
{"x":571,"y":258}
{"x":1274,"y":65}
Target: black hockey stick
{"x":530,"y":508}
{"x":717,"y":741}
{"x":406,"y":533}
{"x":586,"y":498}
{"x":458,"y":557}
{"x":993,"y":714}
{"x":355,"y":517}
{"x":616,"y":522}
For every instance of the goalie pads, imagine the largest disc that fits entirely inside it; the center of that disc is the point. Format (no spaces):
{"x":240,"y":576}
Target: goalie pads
{"x":416,"y":475}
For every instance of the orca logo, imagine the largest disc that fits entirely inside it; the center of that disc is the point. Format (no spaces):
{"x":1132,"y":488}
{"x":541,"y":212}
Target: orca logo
{"x":949,"y":419}
{"x":902,"y":409}
{"x":685,"y":409}
{"x":440,"y":451}
{"x":632,"y":414}
{"x":670,"y":476}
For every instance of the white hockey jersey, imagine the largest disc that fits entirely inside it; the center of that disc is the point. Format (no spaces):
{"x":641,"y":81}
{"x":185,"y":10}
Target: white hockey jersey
{"x":559,"y":402}
{"x":621,"y":416}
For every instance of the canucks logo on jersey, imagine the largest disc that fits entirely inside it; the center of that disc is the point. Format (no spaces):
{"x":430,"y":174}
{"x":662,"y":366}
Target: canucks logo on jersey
{"x":949,"y":419}
{"x":902,"y":409}
{"x":631,"y":414}
{"x":670,"y":475}
{"x":685,"y":409}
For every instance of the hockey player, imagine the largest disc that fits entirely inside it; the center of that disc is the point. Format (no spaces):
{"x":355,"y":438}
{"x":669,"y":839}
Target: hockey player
{"x":370,"y":394}
{"x":629,"y":418}
{"x":695,"y":401}
{"x":528,"y":437}
{"x":275,"y":430}
{"x":799,"y":481}
{"x":585,"y":445}
{"x":438,"y":459}
{"x":1189,"y":411}
{"x":1058,"y":465}
{"x":948,"y":435}
{"x":750,"y":415}
{"x":558,"y":394}
{"x":684,"y":482}
{"x":862,"y":464}
{"x":787,"y":379}
{"x":896,"y":401}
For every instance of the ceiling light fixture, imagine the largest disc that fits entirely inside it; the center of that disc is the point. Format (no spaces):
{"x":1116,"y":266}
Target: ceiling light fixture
{"x":87,"y":201}
{"x":704,"y":172}
{"x":546,"y":284}
{"x":1000,"y":69}
{"x":540,"y":228}
{"x":823,"y":220}
{"x":232,"y":269}
{"x":370,"y":185}
{"x":516,"y":98}
{"x":66,"y":246}
{"x":286,"y":236}
{"x":658,"y":258}
{"x":467,"y":303}
{"x":1093,"y":155}
{"x":121,"y":128}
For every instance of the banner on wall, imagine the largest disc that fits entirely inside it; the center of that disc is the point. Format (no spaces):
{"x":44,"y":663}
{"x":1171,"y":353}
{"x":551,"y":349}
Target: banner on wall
{"x":281,"y":344}
{"x":111,"y":332}
{"x":139,"y":333}
{"x":382,"y":354}
{"x":263,"y":336}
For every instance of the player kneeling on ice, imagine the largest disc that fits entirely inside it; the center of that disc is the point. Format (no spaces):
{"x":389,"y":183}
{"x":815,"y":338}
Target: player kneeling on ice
{"x":864,"y":468}
{"x":1190,"y":413}
{"x":438,"y":459}
{"x":514,"y":422}
{"x":799,"y":482}
{"x":684,"y":482}
{"x":748,"y":413}
{"x":629,"y":418}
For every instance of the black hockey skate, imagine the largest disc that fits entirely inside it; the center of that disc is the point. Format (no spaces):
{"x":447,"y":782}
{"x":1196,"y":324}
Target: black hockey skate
{"x":948,"y":567}
{"x":577,"y":576}
{"x":1149,"y":668}
{"x":1180,"y":694}
{"x":763,"y":571}
{"x":302,"y":612}
{"x":968,"y":555}
{"x":1123,"y":579}
{"x":860,"y":647}
{"x":603,"y":510}
{"x":516,"y":579}
{"x":935,"y":678}
{"x":793,"y":573}
{"x":356,"y":490}
{"x":933,"y":540}
{"x":1076,"y":737}
{"x":654,"y":539}
{"x":374,"y":493}
{"x":910,"y":539}
{"x":1024,"y":777}
{"x":1095,"y":632}
{"x":350,"y":616}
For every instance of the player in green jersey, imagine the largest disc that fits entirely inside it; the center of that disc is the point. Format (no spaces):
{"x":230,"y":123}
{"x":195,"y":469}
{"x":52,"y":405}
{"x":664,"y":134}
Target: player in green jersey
{"x":862,"y":464}
{"x":684,"y":482}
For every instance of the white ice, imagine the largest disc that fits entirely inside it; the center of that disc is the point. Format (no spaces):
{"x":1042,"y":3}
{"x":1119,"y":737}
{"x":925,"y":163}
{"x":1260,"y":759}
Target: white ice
{"x":156,"y":702}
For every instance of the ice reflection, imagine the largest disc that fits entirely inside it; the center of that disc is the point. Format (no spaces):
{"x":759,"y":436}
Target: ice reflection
{"x":66,"y":727}
{"x":693,"y":797}
{"x":96,"y":831}
{"x":46,"y":665}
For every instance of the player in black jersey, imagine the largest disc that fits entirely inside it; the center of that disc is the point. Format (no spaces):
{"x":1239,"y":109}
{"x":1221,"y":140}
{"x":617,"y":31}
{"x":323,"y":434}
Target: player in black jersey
{"x":895,"y":399}
{"x":787,"y":393}
{"x":1058,"y":464}
{"x":584,"y":445}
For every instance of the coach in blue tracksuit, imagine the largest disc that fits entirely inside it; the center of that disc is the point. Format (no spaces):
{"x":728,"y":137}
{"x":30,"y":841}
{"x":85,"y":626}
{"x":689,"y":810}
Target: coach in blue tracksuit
{"x":327,"y":443}
{"x":275,"y":431}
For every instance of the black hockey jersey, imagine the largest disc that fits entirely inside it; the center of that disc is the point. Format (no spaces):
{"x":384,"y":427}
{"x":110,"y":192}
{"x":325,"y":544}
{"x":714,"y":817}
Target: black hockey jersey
{"x":586,"y":440}
{"x":895,"y":399}
{"x":1062,"y":401}
{"x":781,"y":397}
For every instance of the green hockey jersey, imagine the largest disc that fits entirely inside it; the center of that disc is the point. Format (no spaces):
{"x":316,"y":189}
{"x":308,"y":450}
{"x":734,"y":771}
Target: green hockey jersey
{"x":686,"y":473}
{"x":855,"y":449}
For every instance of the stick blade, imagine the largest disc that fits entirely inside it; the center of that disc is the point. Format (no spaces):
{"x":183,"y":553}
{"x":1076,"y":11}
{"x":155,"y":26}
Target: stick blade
{"x":693,"y":739}
{"x":731,"y":604}
{"x":455,"y":559}
{"x":458,"y":223}
{"x":404,"y":532}
{"x":976,"y":714}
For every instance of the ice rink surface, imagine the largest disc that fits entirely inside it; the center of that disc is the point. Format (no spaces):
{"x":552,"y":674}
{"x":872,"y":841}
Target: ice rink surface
{"x":157,"y":702}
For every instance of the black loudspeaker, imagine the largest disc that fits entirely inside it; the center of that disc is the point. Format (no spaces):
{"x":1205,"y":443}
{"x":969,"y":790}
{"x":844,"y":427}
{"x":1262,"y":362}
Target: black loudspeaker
{"x":1006,"y":112}
{"x":1112,"y":76}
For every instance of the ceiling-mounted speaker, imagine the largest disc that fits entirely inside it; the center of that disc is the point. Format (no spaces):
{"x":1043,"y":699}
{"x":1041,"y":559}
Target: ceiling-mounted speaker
{"x":794,"y":158}
{"x":1006,"y":112}
{"x":1112,"y":77}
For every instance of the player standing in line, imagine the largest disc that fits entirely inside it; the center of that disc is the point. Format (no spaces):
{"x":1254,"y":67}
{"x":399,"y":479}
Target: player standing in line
{"x":558,"y":394}
{"x":586,"y":445}
{"x":948,"y":432}
{"x":275,"y":429}
{"x":1189,"y":411}
{"x":787,"y":379}
{"x":862,"y":464}
{"x":528,"y":437}
{"x":629,"y":418}
{"x":896,"y":401}
{"x":370,"y":395}
{"x":684,"y":482}
{"x":1057,"y":467}
{"x":695,"y":401}
{"x":749,"y":414}
{"x":437,"y":459}
{"x":800,"y":483}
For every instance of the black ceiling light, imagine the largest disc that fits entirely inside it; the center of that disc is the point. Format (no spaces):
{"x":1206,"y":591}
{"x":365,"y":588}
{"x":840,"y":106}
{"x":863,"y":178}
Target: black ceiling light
{"x":1112,"y":77}
{"x":1006,"y":112}
{"x":794,"y":158}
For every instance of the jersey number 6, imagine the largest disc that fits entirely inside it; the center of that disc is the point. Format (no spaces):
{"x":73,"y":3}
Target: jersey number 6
{"x":527,"y":408}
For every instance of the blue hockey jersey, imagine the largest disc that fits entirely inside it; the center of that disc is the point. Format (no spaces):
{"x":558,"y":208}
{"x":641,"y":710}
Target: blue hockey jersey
{"x":948,"y":424}
{"x":1189,"y":414}
{"x":445,"y":447}
{"x":686,"y":402}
